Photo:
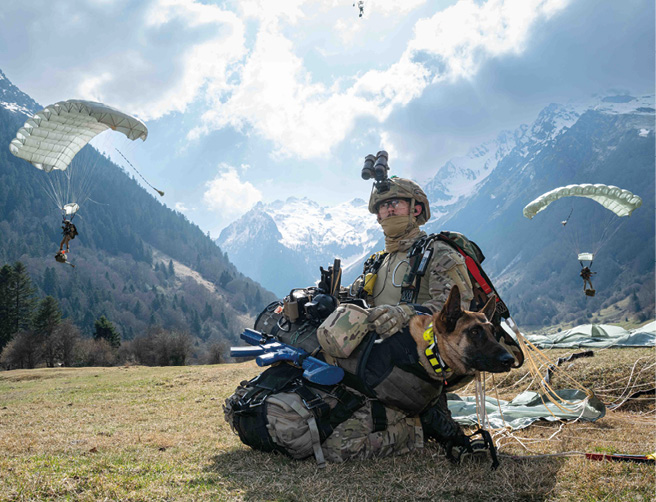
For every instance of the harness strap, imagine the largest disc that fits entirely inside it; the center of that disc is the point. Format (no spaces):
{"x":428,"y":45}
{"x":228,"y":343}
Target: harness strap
{"x":314,"y":432}
{"x":473,"y":269}
{"x":378,"y":416}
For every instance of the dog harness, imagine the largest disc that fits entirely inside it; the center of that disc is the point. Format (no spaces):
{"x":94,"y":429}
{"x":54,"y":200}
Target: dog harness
{"x":434,"y":357}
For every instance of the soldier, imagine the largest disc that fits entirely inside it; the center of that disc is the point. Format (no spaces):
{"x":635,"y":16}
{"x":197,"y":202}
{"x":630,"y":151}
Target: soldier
{"x":401,"y":207}
{"x":586,"y":275}
{"x":401,"y":210}
{"x":69,"y":231}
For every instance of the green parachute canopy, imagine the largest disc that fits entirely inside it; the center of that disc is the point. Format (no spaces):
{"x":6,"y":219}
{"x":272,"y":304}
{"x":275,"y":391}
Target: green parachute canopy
{"x":619,"y":201}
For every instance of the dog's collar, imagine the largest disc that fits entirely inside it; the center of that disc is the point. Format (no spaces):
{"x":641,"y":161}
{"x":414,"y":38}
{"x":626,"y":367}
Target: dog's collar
{"x":433,"y":355}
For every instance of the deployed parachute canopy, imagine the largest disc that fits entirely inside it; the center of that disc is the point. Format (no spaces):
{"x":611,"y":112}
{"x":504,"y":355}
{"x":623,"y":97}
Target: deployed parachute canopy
{"x":51,"y":138}
{"x":620,"y":201}
{"x":587,"y":237}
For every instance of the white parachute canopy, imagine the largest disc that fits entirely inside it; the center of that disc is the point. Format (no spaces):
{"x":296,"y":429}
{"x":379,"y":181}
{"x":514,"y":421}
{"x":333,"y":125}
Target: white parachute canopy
{"x":597,"y":224}
{"x":51,"y":138}
{"x":619,"y":201}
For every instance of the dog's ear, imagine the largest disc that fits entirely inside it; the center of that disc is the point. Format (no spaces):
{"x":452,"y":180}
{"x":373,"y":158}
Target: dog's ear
{"x":448,"y":317}
{"x":490,"y":307}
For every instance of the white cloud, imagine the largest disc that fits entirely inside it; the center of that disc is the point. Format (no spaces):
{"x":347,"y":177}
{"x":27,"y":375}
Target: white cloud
{"x":228,"y":195}
{"x":462,"y":36}
{"x":147,"y":57}
{"x":180,"y":206}
{"x":278,"y":98}
{"x":170,"y":53}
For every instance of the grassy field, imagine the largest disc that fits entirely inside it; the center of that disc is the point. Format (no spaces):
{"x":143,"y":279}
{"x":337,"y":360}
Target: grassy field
{"x":138,"y":433}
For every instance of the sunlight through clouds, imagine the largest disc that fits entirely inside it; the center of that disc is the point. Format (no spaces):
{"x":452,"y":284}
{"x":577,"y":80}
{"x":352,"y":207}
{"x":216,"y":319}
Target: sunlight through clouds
{"x":458,"y":39}
{"x":278,"y":98}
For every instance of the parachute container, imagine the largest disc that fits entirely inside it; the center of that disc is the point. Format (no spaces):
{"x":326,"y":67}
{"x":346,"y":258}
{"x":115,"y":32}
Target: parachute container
{"x":70,"y":209}
{"x":586,"y":256}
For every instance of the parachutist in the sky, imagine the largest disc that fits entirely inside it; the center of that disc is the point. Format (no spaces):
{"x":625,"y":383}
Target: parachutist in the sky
{"x":69,"y":231}
{"x":360,"y":6}
{"x":586,"y":275}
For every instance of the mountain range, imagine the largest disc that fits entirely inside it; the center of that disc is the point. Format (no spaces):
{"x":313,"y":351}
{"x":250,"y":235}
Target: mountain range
{"x":608,"y":140}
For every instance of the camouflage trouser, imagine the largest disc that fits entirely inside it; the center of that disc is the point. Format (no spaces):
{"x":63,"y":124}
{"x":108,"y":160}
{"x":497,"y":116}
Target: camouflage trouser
{"x":355,"y":438}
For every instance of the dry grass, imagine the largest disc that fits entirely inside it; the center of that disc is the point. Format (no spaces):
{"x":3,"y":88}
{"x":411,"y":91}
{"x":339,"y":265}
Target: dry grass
{"x":139,"y":433}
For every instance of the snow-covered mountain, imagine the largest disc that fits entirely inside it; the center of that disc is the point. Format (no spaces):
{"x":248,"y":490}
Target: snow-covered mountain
{"x":15,"y":100}
{"x":284,"y":243}
{"x":459,"y":178}
{"x":605,"y":140}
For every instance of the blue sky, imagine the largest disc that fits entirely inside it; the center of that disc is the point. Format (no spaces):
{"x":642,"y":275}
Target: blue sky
{"x":253,"y":100}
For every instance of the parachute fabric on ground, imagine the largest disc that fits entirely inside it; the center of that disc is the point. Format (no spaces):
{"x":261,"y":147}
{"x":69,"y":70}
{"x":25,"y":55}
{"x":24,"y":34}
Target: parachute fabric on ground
{"x":52,"y":137}
{"x":527,"y":408}
{"x":619,"y":201}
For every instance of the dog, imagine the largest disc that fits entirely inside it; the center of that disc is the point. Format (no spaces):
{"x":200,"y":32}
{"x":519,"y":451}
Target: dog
{"x":466,"y":343}
{"x":465,"y":340}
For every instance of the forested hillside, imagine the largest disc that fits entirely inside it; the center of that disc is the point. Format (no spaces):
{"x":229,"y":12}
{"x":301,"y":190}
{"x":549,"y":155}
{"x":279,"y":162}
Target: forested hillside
{"x":137,"y":262}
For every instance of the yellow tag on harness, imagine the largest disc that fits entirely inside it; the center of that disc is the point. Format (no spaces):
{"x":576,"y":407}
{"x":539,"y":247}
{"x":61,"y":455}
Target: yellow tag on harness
{"x":428,"y":334}
{"x":369,"y":281}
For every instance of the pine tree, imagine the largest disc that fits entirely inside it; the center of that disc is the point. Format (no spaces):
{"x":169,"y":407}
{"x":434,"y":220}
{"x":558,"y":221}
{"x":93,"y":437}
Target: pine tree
{"x":207,"y":312}
{"x":171,"y":269}
{"x":6,"y":322}
{"x":16,"y":301}
{"x":105,"y":330}
{"x":196,"y":325}
{"x":47,"y":318}
{"x":50,"y":281}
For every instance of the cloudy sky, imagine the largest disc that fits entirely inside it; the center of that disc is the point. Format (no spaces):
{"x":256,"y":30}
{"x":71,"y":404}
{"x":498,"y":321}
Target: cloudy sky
{"x":251,"y":100}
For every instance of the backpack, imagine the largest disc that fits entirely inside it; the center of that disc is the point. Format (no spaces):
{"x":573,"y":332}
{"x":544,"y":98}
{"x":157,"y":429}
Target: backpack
{"x":278,"y":411}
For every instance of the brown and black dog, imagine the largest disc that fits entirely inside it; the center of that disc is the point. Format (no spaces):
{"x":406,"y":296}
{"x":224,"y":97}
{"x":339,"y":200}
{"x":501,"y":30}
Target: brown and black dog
{"x":466,"y":340}
{"x":467,"y":343}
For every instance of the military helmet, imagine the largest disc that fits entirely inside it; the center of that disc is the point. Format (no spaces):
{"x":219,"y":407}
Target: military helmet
{"x":404,"y":189}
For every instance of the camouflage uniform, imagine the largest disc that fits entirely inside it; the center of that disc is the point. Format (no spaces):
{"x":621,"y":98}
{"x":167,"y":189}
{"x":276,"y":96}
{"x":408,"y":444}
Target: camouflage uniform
{"x":445,"y":269}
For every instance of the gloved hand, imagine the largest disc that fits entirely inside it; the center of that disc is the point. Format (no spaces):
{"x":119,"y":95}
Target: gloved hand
{"x":389,"y":319}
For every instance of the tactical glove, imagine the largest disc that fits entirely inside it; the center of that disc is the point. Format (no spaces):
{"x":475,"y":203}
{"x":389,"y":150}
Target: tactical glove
{"x":389,"y":319}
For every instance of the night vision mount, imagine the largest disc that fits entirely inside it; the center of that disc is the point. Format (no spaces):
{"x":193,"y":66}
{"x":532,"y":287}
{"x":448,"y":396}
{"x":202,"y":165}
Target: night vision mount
{"x":376,"y":167}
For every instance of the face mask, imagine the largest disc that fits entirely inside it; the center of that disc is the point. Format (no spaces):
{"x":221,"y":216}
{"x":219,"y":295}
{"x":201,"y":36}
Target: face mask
{"x":395,"y":227}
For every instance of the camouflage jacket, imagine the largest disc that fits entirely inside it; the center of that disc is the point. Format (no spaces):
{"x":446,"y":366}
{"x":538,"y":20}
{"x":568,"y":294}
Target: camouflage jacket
{"x":446,"y":268}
